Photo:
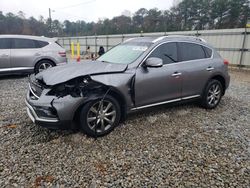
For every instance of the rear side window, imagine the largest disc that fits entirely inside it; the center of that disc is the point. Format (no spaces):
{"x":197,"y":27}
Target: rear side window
{"x":41,"y":44}
{"x":167,"y":52}
{"x":4,"y":43}
{"x":208,"y":51}
{"x":191,"y":51}
{"x":23,"y":43}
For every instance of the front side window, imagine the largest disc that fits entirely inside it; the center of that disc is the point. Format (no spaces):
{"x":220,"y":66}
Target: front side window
{"x":4,"y":43}
{"x":191,"y":51}
{"x":167,"y":52}
{"x":125,"y":53}
{"x":23,"y":43}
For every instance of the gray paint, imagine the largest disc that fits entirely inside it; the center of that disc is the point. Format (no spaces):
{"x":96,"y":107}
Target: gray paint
{"x":151,"y":86}
{"x":61,"y":74}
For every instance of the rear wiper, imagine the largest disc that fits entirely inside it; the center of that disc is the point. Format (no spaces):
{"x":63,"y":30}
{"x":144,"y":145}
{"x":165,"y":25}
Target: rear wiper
{"x":106,"y":61}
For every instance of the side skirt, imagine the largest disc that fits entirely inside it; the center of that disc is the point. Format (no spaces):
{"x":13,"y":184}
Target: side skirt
{"x":165,"y":102}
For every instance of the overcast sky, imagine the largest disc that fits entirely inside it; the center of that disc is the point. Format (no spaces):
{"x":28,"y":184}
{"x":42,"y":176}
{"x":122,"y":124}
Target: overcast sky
{"x":88,"y":10}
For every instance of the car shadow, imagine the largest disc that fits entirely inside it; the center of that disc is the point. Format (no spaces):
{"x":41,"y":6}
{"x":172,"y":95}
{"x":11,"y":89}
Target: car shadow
{"x":13,"y":77}
{"x":43,"y":135}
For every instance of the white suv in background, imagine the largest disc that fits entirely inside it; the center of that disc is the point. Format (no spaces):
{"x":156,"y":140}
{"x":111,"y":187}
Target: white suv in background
{"x":28,"y":54}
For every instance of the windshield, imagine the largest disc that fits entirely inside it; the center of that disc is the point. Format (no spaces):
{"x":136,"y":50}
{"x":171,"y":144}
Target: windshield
{"x":124,"y":53}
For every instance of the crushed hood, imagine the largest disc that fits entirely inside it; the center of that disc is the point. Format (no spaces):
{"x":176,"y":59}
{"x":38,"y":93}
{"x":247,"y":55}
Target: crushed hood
{"x":60,"y":74}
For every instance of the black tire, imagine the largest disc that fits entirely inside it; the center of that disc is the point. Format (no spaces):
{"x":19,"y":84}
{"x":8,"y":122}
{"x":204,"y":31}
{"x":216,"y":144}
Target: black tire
{"x":211,"y":100}
{"x":86,"y":113}
{"x":48,"y":63}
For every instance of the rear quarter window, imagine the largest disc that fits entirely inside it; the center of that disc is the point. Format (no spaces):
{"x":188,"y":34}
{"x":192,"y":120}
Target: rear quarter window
{"x":191,"y":51}
{"x":41,"y":44}
{"x":208,"y":52}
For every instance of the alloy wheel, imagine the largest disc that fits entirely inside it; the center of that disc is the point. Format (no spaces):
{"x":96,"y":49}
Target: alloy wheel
{"x":214,"y":94}
{"x":101,"y":116}
{"x":44,"y":66}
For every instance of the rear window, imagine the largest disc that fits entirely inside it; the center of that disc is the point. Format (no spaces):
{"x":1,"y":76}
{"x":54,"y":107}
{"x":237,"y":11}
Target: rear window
{"x":23,"y":43}
{"x":191,"y":51}
{"x":4,"y":43}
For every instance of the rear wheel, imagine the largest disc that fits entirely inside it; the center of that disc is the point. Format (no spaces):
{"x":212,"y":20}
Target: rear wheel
{"x":43,"y":65}
{"x":100,"y":117}
{"x":212,"y":94}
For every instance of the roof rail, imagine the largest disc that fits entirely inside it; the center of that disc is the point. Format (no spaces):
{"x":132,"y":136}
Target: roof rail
{"x":128,"y":40}
{"x":189,"y":37}
{"x":158,"y":39}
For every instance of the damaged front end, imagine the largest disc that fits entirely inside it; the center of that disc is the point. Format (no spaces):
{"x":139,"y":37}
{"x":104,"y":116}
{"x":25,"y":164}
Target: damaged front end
{"x":55,"y":106}
{"x":77,"y":87}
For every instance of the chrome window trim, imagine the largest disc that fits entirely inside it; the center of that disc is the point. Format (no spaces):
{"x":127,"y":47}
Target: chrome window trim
{"x":159,"y":38}
{"x":144,"y":59}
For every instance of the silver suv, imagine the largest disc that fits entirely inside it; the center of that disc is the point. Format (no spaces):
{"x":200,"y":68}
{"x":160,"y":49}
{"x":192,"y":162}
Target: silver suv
{"x":137,"y":74}
{"x":27,"y":54}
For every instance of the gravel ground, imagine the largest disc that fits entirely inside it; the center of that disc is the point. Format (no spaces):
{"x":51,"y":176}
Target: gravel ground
{"x":180,"y":146}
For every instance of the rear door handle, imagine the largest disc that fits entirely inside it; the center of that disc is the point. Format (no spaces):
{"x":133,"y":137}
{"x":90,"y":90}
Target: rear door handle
{"x":176,"y":74}
{"x":210,"y":68}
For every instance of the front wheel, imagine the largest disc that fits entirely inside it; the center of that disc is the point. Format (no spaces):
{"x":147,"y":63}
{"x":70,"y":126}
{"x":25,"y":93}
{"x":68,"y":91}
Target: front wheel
{"x":212,"y":94}
{"x":100,"y":117}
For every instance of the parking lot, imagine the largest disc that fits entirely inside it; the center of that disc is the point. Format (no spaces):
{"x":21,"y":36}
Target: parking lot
{"x":177,"y":146}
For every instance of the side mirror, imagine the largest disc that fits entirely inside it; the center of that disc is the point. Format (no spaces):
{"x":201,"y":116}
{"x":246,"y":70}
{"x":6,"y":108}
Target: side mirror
{"x":153,"y":62}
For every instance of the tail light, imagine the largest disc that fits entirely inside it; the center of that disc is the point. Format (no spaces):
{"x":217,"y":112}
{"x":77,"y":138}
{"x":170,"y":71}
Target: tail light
{"x":62,"y":54}
{"x":226,"y":62}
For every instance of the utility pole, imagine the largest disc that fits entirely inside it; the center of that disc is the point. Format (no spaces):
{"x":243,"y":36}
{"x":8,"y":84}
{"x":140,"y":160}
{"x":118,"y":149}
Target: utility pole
{"x":50,"y":23}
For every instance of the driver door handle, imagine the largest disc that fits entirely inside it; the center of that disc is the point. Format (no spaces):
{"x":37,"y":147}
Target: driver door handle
{"x":175,"y":74}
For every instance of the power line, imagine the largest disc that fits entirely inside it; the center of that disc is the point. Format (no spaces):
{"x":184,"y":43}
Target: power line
{"x":75,"y":5}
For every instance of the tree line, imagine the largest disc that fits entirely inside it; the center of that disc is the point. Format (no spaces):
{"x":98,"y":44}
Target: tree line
{"x":187,"y":15}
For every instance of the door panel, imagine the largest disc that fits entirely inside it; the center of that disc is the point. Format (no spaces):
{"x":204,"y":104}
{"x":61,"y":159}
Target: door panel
{"x":4,"y":53}
{"x":154,"y":85}
{"x":4,"y":58}
{"x":24,"y":57}
{"x":193,"y":67}
{"x":194,"y":75}
{"x":24,"y":53}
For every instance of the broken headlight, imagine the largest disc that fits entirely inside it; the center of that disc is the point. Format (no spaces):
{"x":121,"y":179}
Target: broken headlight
{"x":77,"y":87}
